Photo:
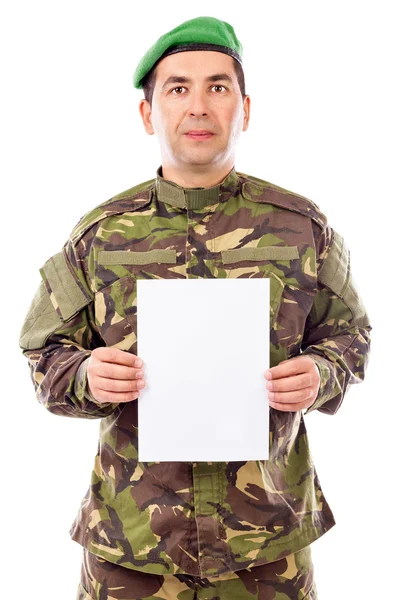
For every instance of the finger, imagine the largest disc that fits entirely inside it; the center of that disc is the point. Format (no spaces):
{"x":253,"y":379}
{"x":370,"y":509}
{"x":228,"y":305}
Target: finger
{"x":288,"y":407}
{"x":292,"y":366}
{"x":116,"y":397}
{"x":287,"y":384}
{"x":115,"y":355}
{"x":290,"y":397}
{"x":113,"y":371}
{"x":119,"y":385}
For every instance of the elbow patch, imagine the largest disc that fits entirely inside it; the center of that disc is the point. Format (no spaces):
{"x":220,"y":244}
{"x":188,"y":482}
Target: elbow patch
{"x":336,"y":275}
{"x":58,"y":298}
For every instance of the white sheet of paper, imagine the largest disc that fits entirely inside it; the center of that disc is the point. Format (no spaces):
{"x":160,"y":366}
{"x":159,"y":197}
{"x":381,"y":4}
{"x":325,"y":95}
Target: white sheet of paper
{"x":205,"y":346}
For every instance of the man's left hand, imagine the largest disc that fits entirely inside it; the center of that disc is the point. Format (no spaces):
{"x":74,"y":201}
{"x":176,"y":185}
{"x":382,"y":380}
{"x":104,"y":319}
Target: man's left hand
{"x":294,"y":383}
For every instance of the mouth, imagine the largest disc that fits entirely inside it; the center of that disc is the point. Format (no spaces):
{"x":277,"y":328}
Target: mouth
{"x":200,"y":136}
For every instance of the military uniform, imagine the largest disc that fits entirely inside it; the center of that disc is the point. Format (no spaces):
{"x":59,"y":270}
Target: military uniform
{"x":197,"y":519}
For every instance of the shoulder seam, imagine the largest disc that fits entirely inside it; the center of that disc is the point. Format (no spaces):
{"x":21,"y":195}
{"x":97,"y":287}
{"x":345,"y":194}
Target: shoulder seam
{"x":115,"y":205}
{"x":258,"y":190}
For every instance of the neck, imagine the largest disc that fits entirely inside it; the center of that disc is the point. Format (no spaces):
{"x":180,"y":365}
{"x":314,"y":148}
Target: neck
{"x":192,"y":179}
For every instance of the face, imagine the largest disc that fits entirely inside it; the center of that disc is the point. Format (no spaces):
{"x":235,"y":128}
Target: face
{"x":189,"y":96}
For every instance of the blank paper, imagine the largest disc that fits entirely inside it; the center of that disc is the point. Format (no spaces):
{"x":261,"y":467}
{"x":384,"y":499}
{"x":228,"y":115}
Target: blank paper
{"x":205,"y":347}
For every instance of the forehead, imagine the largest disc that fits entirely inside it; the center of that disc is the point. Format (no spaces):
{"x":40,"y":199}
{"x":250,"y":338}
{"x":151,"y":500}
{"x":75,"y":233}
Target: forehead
{"x":196,"y":64}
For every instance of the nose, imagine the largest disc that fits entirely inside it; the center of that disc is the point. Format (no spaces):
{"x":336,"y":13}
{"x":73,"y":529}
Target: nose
{"x":198,"y":103}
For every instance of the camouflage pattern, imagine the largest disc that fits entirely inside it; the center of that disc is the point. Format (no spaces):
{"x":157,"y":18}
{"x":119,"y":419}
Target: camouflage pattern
{"x":200,"y":519}
{"x":290,"y":578}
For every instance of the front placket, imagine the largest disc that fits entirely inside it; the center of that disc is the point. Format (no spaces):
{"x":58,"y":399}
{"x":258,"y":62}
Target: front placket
{"x":208,"y":477}
{"x":208,"y":487}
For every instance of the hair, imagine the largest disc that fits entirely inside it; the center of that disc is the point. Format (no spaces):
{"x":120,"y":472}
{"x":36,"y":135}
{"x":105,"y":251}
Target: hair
{"x":149,"y":81}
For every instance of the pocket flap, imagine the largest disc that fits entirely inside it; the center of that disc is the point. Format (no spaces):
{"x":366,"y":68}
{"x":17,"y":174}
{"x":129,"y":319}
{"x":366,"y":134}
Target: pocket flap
{"x":65,"y":293}
{"x":40,"y":321}
{"x":129,"y":257}
{"x":263,"y":253}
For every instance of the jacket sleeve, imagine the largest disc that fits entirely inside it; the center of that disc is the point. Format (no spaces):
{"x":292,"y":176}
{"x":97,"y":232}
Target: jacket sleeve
{"x":58,"y":336}
{"x":337,"y":332}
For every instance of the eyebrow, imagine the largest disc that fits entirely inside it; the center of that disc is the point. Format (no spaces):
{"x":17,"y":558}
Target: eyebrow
{"x":182,"y":79}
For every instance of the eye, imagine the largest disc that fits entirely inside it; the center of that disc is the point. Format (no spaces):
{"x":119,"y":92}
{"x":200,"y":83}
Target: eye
{"x":180,"y":87}
{"x":219,"y":86}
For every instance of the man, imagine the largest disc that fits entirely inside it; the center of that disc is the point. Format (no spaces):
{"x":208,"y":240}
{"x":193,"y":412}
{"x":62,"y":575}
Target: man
{"x":197,"y":530}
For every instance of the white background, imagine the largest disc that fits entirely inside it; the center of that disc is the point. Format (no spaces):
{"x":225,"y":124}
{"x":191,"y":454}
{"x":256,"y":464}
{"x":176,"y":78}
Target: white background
{"x":320,"y":77}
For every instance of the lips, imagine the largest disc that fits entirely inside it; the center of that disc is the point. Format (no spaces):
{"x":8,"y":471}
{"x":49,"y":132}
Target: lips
{"x":199,"y":134}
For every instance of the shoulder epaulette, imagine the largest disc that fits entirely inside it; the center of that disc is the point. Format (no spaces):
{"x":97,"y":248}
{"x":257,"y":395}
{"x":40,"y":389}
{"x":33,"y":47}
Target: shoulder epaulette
{"x":128,"y":201}
{"x":258,"y":190}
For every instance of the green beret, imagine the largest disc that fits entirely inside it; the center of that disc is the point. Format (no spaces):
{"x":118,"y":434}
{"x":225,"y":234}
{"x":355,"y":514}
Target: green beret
{"x":202,"y":33}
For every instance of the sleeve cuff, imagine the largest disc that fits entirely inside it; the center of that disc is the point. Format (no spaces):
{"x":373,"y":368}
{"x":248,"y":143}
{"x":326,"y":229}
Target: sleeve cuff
{"x":325,"y":374}
{"x":81,"y":383}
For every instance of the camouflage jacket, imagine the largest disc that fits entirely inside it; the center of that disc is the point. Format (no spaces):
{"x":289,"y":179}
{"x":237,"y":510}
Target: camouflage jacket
{"x":202,"y":519}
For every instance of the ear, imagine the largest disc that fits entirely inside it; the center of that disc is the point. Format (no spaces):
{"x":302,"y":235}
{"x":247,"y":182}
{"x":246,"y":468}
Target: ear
{"x":145,"y":112}
{"x":246,"y":109}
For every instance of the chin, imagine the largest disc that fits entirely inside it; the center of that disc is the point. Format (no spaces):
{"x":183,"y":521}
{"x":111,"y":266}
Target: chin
{"x":200,"y":159}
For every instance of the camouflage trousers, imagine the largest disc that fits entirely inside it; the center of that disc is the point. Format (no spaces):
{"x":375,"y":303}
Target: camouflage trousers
{"x":289,"y":578}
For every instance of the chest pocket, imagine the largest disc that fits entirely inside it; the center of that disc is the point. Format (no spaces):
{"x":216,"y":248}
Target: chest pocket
{"x":116,"y":303}
{"x":260,"y":262}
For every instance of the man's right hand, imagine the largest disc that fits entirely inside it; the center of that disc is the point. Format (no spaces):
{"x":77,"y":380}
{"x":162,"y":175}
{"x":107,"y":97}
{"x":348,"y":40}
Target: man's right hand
{"x":114,"y":375}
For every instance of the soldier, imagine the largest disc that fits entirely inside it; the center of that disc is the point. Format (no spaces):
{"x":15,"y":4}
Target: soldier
{"x":182,"y":530}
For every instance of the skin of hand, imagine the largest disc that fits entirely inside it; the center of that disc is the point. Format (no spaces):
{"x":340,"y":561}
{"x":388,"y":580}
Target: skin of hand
{"x":114,"y":375}
{"x":293,"y":384}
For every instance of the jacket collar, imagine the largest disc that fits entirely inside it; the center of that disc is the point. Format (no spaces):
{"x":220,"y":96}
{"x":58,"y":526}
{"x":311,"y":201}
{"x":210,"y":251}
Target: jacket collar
{"x":183,"y":197}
